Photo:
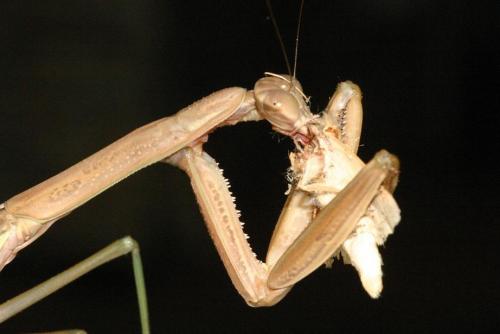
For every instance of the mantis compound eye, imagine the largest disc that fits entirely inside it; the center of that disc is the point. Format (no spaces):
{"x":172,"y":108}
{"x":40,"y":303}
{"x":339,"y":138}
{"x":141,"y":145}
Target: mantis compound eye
{"x":282,"y":111}
{"x":282,"y":105}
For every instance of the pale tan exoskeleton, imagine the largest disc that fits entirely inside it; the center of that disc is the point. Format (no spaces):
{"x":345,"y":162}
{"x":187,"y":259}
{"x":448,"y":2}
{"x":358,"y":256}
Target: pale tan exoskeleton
{"x":336,"y":204}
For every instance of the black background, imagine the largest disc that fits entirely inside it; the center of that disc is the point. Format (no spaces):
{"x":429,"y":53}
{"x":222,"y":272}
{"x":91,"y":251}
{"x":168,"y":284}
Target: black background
{"x":77,"y":75}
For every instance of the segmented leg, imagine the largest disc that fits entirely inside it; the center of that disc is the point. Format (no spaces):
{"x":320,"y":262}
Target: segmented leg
{"x":28,"y":215}
{"x":262,"y":284}
{"x":118,"y":248}
{"x":346,"y":113}
{"x":248,"y":274}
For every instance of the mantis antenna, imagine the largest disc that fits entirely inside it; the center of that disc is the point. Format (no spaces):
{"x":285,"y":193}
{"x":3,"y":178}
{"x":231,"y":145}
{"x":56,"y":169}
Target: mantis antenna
{"x":278,"y":34}
{"x":280,"y":39}
{"x":299,"y":21}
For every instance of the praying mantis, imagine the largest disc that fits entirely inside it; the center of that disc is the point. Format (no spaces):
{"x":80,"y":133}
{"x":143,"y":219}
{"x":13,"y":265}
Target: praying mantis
{"x":324,"y":169}
{"x":334,"y":201}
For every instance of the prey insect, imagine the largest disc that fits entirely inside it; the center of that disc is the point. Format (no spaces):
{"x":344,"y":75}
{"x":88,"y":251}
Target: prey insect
{"x":336,"y":204}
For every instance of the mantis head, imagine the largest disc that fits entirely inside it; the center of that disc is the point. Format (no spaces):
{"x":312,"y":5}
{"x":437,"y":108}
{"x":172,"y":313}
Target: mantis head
{"x":280,"y":100}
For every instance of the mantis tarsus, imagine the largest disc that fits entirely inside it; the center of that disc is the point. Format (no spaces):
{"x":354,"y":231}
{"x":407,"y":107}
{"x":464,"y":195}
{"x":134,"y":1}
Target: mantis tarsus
{"x":323,"y":145}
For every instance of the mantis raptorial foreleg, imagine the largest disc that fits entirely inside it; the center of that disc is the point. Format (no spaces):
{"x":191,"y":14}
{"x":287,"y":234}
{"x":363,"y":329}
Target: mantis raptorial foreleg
{"x":264,"y":284}
{"x":26,"y":216}
{"x":334,"y":223}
